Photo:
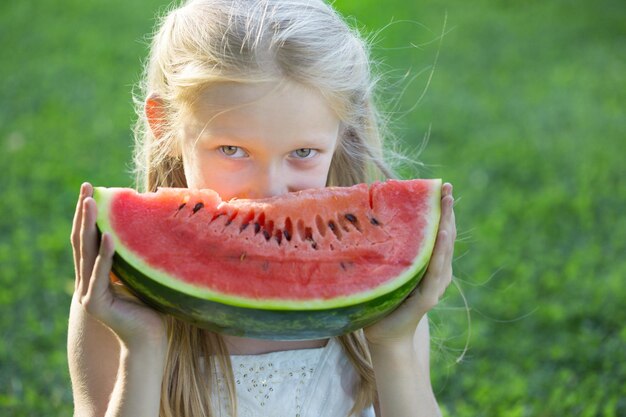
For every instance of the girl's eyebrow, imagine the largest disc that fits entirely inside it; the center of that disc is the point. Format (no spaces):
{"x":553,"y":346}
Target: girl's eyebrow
{"x":313,"y":142}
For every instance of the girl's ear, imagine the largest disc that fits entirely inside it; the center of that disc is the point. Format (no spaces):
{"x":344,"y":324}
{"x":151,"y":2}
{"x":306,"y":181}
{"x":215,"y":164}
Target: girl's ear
{"x":157,"y":120}
{"x":155,"y":113}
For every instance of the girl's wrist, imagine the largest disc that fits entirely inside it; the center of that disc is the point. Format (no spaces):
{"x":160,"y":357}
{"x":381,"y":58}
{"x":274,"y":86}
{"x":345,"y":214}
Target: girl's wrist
{"x":143,"y":360}
{"x":397,"y":348}
{"x":139,"y":380}
{"x":149,"y":351}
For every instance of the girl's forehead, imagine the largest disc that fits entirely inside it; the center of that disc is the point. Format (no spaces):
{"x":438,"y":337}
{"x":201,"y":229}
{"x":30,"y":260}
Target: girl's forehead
{"x":275,"y":114}
{"x":231,"y":94}
{"x":287,"y":103}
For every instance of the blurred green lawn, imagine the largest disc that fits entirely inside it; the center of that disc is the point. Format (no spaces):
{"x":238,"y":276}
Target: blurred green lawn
{"x":524,"y":114}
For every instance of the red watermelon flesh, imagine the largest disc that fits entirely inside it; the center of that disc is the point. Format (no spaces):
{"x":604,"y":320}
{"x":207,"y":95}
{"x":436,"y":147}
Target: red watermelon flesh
{"x":310,"y":250}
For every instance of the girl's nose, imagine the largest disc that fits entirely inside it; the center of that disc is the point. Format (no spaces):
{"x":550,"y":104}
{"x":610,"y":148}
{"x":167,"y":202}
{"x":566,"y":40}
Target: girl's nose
{"x":271,"y":181}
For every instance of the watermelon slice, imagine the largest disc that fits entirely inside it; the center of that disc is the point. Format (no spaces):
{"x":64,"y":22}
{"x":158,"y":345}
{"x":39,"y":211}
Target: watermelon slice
{"x":304,"y":265}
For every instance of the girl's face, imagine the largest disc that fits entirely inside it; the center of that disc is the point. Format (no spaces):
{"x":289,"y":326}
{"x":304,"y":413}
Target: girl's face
{"x":259,"y":140}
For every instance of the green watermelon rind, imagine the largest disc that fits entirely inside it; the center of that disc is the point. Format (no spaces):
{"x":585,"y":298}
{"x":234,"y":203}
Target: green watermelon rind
{"x":134,"y":265}
{"x":261,"y":323}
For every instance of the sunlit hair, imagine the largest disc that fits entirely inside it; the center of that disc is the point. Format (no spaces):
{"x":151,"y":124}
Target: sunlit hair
{"x":203,"y":43}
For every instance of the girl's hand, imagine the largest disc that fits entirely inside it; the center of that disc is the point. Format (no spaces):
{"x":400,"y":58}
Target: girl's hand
{"x":132,"y":322}
{"x":400,"y":326}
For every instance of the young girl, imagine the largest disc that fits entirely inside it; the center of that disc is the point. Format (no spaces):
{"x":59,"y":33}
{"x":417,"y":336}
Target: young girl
{"x":251,"y":99}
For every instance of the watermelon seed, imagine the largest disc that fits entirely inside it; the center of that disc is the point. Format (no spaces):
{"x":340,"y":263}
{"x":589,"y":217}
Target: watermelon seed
{"x":180,"y":208}
{"x":343,"y":266}
{"x":335,"y":229}
{"x":270,"y":227}
{"x":308,"y":236}
{"x":321,"y":226}
{"x":352,"y":219}
{"x":266,"y":234}
{"x":197,"y":207}
{"x":288,"y":229}
{"x":261,"y":219}
{"x":216,"y":215}
{"x":342,"y":223}
{"x":374,"y":221}
{"x":232,"y":217}
{"x":257,"y":228}
{"x":279,"y":237}
{"x":246,"y":220}
{"x":301,"y":231}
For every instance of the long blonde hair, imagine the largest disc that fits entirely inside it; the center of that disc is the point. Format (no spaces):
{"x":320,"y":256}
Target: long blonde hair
{"x":205,"y":42}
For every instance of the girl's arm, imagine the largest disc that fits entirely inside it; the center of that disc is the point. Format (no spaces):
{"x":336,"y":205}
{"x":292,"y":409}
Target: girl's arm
{"x":400,"y":343}
{"x":116,"y":347}
{"x":93,"y":354}
{"x":403,"y":377}
{"x":109,"y":379}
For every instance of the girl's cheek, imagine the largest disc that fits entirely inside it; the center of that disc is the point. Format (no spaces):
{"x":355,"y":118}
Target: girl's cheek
{"x":227,"y":183}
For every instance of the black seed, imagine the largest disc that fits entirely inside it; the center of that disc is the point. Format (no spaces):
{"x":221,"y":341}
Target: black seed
{"x":374,"y":222}
{"x":244,"y":226}
{"x":351,"y":218}
{"x":257,"y":228}
{"x":228,"y":222}
{"x":287,"y":235}
{"x":181,"y":206}
{"x":217,"y":216}
{"x":279,"y":237}
{"x":266,"y":234}
{"x":309,"y":238}
{"x":197,"y":207}
{"x":331,"y":225}
{"x":343,"y":266}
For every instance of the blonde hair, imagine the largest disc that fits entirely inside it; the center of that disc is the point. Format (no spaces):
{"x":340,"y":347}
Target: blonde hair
{"x":206,"y":42}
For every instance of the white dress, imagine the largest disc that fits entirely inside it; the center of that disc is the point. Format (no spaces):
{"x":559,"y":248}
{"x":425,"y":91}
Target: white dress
{"x":316,"y":382}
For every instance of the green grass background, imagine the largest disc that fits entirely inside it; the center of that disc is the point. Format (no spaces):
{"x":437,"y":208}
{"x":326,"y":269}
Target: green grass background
{"x":524,"y":115}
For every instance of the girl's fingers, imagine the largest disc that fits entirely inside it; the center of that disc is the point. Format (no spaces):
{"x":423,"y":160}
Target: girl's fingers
{"x":439,"y":273}
{"x":450,"y":227}
{"x":446,"y":189}
{"x":98,"y":294}
{"x":88,"y":243}
{"x":76,"y":226}
{"x":429,"y":287}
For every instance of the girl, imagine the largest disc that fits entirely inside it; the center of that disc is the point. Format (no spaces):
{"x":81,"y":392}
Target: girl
{"x":251,"y":99}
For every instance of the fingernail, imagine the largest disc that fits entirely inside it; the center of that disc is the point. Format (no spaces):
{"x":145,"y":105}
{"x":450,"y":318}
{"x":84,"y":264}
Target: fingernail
{"x":104,"y":243}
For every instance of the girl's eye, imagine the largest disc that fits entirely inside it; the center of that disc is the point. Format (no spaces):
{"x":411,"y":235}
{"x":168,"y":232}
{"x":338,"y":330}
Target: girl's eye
{"x":233,"y":151}
{"x":304,"y":153}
